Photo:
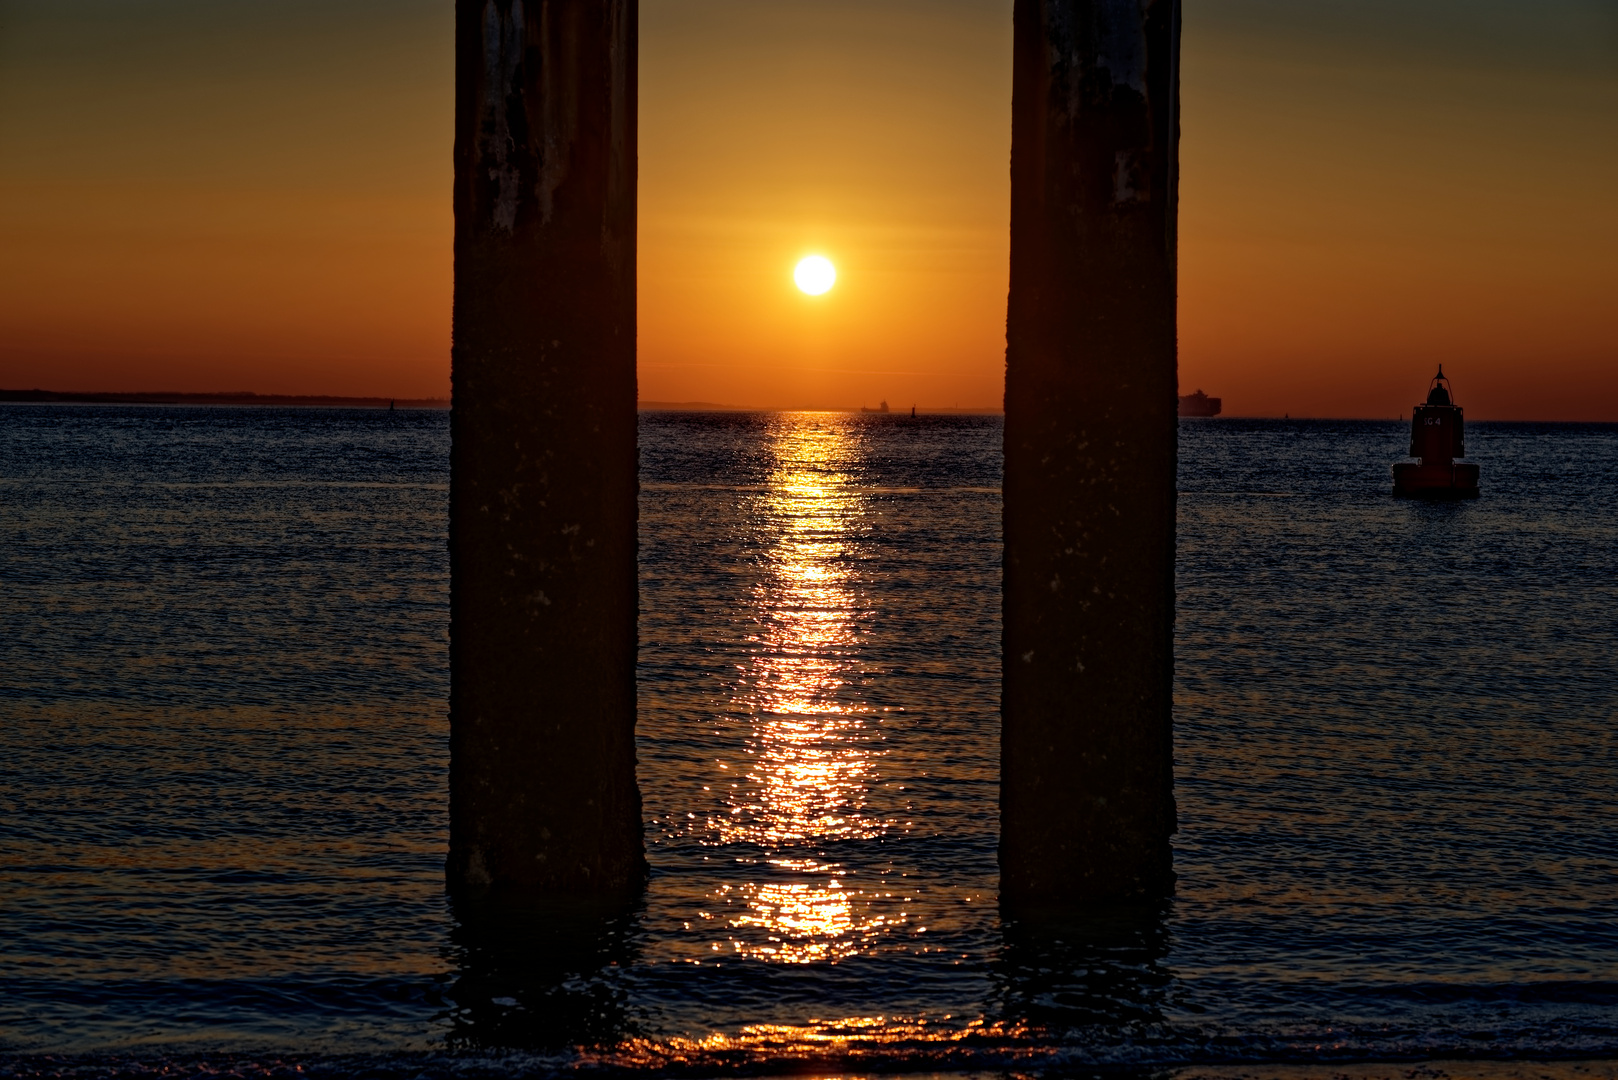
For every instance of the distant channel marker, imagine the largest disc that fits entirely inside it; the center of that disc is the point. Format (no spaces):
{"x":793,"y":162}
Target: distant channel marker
{"x":815,"y":275}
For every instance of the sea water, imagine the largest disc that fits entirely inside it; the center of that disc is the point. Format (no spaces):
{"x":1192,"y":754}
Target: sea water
{"x":223,"y":754}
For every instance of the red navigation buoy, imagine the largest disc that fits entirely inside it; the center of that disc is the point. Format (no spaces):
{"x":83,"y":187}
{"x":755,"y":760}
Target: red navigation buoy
{"x":1437,"y":438}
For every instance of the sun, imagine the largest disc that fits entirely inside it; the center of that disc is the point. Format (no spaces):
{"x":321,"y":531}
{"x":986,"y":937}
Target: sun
{"x":815,"y":274}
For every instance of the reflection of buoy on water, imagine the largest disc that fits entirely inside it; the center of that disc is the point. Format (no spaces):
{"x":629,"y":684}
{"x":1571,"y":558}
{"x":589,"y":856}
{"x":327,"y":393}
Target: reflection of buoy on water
{"x":1437,"y":438}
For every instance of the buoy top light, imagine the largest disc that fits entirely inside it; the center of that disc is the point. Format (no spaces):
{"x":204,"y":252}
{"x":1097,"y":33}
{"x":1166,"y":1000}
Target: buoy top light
{"x":1439,"y":392}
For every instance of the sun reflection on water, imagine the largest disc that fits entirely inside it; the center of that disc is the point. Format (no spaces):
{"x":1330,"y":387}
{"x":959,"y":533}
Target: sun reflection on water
{"x":810,"y":756}
{"x":839,"y":1044}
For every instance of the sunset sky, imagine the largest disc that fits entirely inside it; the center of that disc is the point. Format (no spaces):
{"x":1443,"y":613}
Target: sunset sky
{"x":228,"y":195}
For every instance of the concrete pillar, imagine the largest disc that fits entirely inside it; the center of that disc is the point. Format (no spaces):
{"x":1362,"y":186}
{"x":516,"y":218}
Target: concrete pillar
{"x":1087,"y":797}
{"x":542,"y":489}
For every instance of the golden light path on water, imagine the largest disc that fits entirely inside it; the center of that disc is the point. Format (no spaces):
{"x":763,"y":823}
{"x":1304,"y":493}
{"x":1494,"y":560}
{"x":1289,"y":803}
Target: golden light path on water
{"x":838,"y":1046}
{"x":809,"y":751}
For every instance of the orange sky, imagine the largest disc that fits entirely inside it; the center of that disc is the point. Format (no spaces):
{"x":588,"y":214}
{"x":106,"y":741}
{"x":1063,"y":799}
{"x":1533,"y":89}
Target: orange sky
{"x":205,"y":196}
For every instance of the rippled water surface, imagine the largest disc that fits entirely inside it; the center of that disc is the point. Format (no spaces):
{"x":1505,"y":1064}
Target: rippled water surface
{"x":223,"y":681}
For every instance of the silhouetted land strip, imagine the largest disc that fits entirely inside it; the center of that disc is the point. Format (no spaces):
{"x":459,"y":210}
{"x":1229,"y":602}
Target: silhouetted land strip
{"x":241,"y":397}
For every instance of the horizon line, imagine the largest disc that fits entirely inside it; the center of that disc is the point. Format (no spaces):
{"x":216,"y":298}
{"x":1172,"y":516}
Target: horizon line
{"x":378,"y":401}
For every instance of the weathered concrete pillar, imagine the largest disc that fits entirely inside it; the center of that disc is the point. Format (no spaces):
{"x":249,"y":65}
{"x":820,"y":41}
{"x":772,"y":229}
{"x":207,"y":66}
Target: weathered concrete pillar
{"x":542,"y":489}
{"x":1087,"y":795}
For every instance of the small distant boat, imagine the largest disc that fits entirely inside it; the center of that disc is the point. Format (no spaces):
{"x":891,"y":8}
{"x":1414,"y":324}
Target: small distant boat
{"x":881,"y":408}
{"x":1200,"y":404}
{"x":1437,"y":438}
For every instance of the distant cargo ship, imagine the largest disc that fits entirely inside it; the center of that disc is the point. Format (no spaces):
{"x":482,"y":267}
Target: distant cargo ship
{"x":880,"y":408}
{"x":1200,"y":404}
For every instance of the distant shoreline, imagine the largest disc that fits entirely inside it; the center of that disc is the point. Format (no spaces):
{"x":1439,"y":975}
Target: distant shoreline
{"x":241,"y":397}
